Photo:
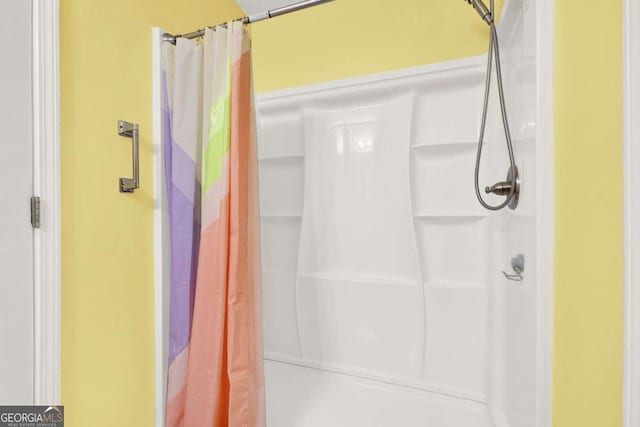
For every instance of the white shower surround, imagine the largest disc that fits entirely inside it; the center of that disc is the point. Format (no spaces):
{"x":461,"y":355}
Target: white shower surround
{"x":384,"y":301}
{"x":428,"y":332}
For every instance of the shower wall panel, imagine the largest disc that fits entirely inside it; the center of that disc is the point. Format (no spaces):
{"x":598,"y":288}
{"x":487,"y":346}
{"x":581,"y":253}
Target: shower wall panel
{"x":384,"y":298}
{"x":375,"y":253}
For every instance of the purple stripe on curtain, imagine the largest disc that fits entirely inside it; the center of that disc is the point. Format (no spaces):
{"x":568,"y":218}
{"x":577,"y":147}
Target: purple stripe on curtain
{"x":184,"y":264}
{"x":183,"y":192}
{"x":166,"y":132}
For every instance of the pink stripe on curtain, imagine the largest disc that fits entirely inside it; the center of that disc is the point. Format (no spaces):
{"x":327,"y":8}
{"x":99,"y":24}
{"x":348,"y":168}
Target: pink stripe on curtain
{"x":246,"y":400}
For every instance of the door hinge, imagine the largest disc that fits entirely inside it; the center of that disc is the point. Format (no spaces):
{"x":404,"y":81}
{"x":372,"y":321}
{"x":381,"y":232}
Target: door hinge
{"x":35,"y":212}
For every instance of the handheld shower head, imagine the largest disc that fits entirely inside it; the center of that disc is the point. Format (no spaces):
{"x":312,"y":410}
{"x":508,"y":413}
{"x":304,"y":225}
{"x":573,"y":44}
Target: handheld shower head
{"x":482,"y":10}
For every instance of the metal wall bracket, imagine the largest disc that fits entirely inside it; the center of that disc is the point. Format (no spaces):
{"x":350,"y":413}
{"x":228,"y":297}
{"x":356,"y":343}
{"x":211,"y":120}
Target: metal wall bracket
{"x":517,"y":265}
{"x":503,"y":188}
{"x":130,"y":130}
{"x":516,"y":195}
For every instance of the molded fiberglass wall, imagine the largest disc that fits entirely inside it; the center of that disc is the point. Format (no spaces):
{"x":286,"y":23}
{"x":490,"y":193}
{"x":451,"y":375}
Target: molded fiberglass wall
{"x":381,"y":272}
{"x":371,"y":268}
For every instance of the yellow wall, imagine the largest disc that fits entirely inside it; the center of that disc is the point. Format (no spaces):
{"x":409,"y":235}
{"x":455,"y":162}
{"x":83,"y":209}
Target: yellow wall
{"x":589,"y":218}
{"x":107,"y":237}
{"x":355,"y":37}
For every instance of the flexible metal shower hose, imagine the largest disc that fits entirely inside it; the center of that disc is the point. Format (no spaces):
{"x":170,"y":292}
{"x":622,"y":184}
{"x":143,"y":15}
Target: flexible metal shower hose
{"x":494,"y":48}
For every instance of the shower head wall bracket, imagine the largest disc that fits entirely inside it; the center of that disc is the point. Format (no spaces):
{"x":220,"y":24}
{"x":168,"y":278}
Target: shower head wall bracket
{"x":503,"y":188}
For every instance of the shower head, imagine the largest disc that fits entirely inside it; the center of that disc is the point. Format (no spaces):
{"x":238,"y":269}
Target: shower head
{"x":482,"y":10}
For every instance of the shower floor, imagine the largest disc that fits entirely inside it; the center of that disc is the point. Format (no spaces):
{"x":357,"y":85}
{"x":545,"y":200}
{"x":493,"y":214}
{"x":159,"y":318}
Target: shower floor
{"x":306,"y":397}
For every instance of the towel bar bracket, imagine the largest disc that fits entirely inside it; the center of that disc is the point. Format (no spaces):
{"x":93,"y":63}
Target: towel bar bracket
{"x":130,"y":130}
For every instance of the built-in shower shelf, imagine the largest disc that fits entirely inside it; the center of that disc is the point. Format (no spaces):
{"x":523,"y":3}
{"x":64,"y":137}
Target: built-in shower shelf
{"x":274,"y":158}
{"x":274,"y":272}
{"x":445,"y":215}
{"x":444,"y":284}
{"x":445,"y":145}
{"x":285,"y":215}
{"x":357,"y":278}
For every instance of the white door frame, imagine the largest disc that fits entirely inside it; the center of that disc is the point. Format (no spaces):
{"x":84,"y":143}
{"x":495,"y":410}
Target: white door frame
{"x":631,"y":95}
{"x":46,"y":185}
{"x":545,"y":175}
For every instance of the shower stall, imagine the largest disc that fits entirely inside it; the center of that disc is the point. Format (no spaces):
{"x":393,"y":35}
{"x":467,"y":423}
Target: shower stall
{"x":390,"y":296}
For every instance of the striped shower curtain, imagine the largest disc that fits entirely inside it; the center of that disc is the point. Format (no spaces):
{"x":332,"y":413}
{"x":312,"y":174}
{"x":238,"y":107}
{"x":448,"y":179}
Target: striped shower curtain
{"x":215,"y":375}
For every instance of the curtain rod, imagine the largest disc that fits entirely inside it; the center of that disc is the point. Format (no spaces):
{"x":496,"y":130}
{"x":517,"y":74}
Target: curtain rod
{"x":252,"y":18}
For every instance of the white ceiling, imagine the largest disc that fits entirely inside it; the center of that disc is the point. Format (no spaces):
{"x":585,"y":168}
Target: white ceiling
{"x":254,"y":6}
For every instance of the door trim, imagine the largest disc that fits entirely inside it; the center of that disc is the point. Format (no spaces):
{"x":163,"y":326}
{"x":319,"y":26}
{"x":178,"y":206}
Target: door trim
{"x":545,"y":175}
{"x":46,"y":183}
{"x":631,"y":95}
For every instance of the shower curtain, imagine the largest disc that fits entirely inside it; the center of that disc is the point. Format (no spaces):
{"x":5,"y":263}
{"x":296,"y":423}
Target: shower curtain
{"x":215,"y":375}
